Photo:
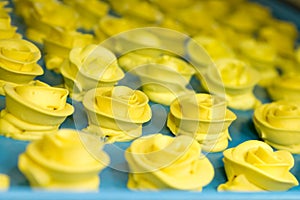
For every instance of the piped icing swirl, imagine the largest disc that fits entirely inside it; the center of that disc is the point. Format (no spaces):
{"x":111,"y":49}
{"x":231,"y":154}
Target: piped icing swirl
{"x":90,"y":67}
{"x":238,"y":80}
{"x":254,"y":166}
{"x":203,"y":117}
{"x":277,"y":123}
{"x":62,"y":161}
{"x":162,"y":162}
{"x":18,"y":62}
{"x":33,"y":110}
{"x":116,"y":113}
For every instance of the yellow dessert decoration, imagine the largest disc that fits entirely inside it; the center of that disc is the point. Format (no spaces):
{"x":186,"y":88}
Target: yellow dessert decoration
{"x":6,"y":29}
{"x":277,"y":123}
{"x":57,"y":47}
{"x":33,"y":110}
{"x":45,"y":15}
{"x":281,"y":36}
{"x":90,"y":67}
{"x":62,"y":161}
{"x":18,"y":62}
{"x":203,"y":117}
{"x":239,"y":80}
{"x":4,"y":182}
{"x":254,"y":166}
{"x":111,"y":25}
{"x":215,"y":48}
{"x":138,"y":10}
{"x":116,"y":113}
{"x":89,"y":12}
{"x":159,"y":162}
{"x":286,"y":87}
{"x":261,"y":56}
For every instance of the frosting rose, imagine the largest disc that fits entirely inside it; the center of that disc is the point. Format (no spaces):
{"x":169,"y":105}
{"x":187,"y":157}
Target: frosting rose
{"x":204,"y":117}
{"x":62,"y":161}
{"x":57,"y":47}
{"x":18,"y":62}
{"x":43,"y":16}
{"x":90,"y":67}
{"x":163,"y":77}
{"x":277,"y":123}
{"x":281,"y":35}
{"x":262,"y":57}
{"x":162,"y":162}
{"x":138,"y":10}
{"x":286,"y":87}
{"x":33,"y":110}
{"x":239,"y":80}
{"x":253,"y":166}
{"x":7,"y":30}
{"x":4,"y":182}
{"x":89,"y":13}
{"x":110,"y":25}
{"x":116,"y":113}
{"x":215,"y":48}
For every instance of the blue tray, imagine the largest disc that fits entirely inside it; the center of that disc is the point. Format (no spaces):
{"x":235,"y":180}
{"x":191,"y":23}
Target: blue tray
{"x":113,"y":182}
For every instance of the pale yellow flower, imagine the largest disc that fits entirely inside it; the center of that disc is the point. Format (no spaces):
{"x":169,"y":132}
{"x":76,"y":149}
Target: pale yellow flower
{"x":61,"y":161}
{"x":254,"y":166}
{"x":159,"y":162}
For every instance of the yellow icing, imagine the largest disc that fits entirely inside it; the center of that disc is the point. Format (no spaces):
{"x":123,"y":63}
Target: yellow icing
{"x":280,"y":35}
{"x":89,"y":13}
{"x":277,"y":123}
{"x":203,"y":117}
{"x":262,"y":56}
{"x":6,"y":29}
{"x":110,"y":25}
{"x":254,"y":166}
{"x":45,"y":15}
{"x":138,"y":10}
{"x":162,"y":162}
{"x":286,"y":87}
{"x":90,"y":67}
{"x":62,"y":161}
{"x":57,"y":47}
{"x":215,"y":48}
{"x":239,"y":80}
{"x":33,"y":110}
{"x":166,"y":81}
{"x":4,"y":182}
{"x":18,"y":62}
{"x":116,"y":113}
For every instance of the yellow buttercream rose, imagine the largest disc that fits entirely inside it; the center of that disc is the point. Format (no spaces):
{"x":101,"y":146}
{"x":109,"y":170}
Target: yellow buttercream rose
{"x":286,"y":87}
{"x":33,"y":110}
{"x":6,"y":29}
{"x":57,"y":47}
{"x":277,"y":123}
{"x":203,"y":117}
{"x":253,"y":166}
{"x":90,"y":67}
{"x":238,"y":79}
{"x":215,"y":48}
{"x":281,"y":36}
{"x":116,"y":113}
{"x":89,"y":13}
{"x":261,"y":56}
{"x":4,"y":182}
{"x":63,"y":161}
{"x":18,"y":62}
{"x":45,"y":15}
{"x":111,"y":25}
{"x":162,"y":162}
{"x":138,"y":9}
